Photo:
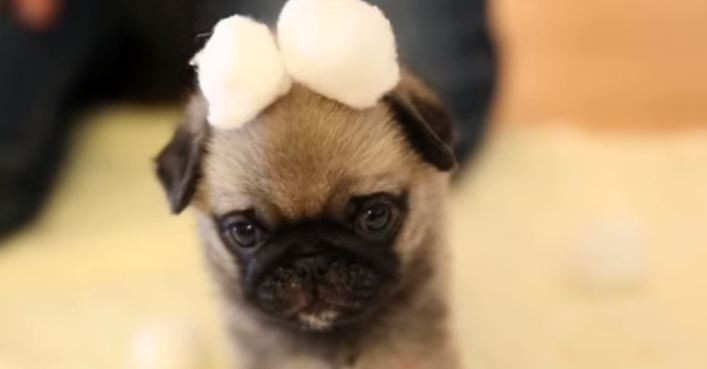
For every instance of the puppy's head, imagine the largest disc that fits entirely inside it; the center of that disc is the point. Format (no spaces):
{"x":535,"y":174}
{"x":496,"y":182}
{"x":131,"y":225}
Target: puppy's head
{"x":315,"y":214}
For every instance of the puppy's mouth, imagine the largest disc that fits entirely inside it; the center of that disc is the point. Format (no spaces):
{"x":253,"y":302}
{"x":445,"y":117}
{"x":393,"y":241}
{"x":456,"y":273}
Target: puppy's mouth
{"x":319,"y":292}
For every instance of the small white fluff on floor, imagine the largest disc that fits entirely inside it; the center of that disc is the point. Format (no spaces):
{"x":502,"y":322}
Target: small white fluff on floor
{"x":240,"y":71}
{"x":169,"y":344}
{"x":342,"y":49}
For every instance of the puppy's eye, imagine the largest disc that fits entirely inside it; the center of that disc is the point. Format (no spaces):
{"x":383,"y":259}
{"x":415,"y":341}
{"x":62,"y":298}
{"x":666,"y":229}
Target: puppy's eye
{"x":376,"y":218}
{"x":243,"y":231}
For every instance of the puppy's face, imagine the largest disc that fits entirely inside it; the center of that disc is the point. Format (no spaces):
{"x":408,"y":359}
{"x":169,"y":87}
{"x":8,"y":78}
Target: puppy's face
{"x":314,"y":213}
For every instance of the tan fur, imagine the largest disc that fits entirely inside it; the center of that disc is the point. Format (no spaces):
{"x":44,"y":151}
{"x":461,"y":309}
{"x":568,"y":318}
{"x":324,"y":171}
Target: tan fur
{"x":305,"y":157}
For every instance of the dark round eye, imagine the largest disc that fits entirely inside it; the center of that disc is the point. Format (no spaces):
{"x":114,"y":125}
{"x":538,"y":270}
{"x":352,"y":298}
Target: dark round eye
{"x":376,"y":218}
{"x":243,"y":232}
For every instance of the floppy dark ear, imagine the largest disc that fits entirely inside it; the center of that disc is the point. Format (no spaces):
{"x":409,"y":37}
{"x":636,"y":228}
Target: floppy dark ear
{"x":179,"y":163}
{"x":428,"y":126}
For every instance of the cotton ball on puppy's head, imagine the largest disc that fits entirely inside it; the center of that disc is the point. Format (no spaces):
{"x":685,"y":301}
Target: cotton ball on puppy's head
{"x":240,"y":72}
{"x":342,"y":49}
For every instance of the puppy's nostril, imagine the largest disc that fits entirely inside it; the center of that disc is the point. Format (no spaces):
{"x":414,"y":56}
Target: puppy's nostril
{"x":312,"y":266}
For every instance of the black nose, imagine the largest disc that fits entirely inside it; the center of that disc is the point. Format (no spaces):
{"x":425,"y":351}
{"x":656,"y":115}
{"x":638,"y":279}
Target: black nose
{"x":312,"y":266}
{"x":302,"y":249}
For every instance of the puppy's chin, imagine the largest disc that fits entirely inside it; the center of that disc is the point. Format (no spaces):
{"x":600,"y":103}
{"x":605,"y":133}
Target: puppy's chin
{"x":321,"y":292}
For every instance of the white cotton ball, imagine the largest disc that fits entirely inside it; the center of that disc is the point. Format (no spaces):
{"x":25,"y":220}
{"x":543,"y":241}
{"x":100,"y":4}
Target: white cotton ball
{"x":612,"y":256}
{"x":342,"y":49}
{"x":240,"y":71}
{"x":168,"y":344}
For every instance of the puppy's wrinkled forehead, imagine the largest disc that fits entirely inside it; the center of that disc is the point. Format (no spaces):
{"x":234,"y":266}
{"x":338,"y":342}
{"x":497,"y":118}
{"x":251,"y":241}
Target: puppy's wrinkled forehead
{"x":306,"y":156}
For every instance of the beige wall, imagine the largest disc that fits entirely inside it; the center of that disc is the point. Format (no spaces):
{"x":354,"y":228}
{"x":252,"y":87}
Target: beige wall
{"x":604,"y":63}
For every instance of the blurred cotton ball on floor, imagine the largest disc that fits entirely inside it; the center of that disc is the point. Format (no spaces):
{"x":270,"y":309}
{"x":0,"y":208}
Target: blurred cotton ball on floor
{"x":240,"y":71}
{"x":342,"y":49}
{"x":168,"y":344}
{"x":612,"y":256}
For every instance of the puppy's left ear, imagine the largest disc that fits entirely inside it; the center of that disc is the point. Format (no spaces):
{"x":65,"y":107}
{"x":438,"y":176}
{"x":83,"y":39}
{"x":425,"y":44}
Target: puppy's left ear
{"x":179,"y":163}
{"x":428,"y":126}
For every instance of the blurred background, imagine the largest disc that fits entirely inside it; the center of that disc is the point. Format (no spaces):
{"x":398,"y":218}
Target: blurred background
{"x":579,"y":220}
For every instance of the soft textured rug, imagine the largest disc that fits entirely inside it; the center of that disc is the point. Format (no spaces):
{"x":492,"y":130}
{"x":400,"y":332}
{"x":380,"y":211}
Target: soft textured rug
{"x":572,"y":250}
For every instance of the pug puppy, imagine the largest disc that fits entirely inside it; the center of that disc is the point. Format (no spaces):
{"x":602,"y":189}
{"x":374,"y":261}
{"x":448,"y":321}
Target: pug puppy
{"x":323,"y":227}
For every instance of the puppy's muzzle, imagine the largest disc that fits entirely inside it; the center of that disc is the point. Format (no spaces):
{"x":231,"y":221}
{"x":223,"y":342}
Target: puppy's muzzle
{"x":316,"y":275}
{"x":318,"y":282}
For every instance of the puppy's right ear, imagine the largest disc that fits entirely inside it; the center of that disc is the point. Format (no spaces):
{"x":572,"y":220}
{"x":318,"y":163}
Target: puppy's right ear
{"x":179,"y":163}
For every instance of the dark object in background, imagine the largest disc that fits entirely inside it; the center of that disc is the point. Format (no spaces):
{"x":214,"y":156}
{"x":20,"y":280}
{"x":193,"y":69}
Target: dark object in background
{"x":111,"y":49}
{"x":97,"y":50}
